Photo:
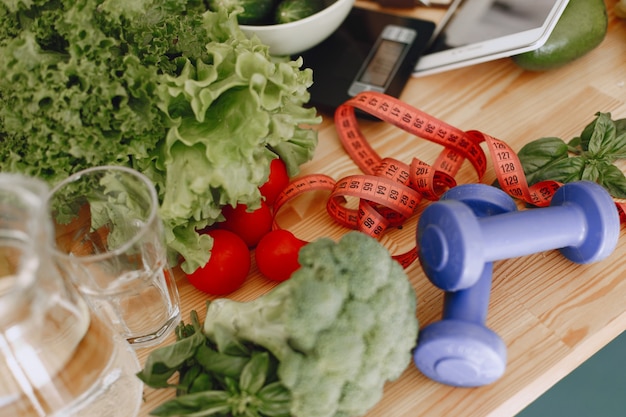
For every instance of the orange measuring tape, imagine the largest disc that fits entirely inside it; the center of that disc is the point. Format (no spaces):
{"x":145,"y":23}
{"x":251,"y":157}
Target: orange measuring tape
{"x":389,"y":190}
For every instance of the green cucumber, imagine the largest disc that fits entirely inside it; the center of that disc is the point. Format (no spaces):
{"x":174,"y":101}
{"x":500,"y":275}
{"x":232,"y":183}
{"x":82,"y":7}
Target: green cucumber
{"x":580,"y":29}
{"x":292,"y":10}
{"x":254,"y":12}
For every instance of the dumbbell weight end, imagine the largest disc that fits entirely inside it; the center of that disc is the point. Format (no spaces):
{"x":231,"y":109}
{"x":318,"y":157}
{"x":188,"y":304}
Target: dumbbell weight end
{"x":602,"y":220}
{"x":460,"y":350}
{"x":461,"y":354}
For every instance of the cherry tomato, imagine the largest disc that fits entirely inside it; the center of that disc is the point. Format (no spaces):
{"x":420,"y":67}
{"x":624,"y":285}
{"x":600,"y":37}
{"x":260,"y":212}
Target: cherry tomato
{"x":228,"y":265}
{"x":276,"y":182}
{"x":251,"y":226}
{"x":277,"y":254}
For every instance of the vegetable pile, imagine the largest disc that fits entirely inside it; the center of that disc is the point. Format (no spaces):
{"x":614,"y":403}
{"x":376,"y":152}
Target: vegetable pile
{"x":275,"y":250}
{"x":162,"y":86}
{"x":590,"y":156}
{"x":320,"y":344}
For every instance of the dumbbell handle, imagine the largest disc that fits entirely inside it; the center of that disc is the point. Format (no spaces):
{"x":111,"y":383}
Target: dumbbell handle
{"x":471,"y":304}
{"x":521,"y":233}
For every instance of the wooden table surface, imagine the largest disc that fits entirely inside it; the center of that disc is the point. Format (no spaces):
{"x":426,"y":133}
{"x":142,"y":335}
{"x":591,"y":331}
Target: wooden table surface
{"x":552,"y":314}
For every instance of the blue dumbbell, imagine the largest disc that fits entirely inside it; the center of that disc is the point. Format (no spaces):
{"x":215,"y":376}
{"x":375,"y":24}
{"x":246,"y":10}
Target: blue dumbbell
{"x":454,"y":244}
{"x":460,"y":350}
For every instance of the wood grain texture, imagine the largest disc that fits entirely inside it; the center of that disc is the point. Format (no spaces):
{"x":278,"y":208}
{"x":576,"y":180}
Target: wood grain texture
{"x":551,"y":313}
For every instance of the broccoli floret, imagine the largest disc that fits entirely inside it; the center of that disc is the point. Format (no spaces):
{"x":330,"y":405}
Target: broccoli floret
{"x":340,"y":327}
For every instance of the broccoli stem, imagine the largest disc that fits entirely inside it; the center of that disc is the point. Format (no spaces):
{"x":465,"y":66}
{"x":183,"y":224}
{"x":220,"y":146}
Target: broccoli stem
{"x":260,"y":321}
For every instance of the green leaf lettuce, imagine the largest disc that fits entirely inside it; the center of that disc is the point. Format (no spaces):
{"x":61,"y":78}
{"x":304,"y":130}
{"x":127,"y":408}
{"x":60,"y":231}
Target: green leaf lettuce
{"x":163,"y":86}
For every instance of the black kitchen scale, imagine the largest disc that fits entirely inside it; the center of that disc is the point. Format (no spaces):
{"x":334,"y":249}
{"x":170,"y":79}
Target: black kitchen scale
{"x":371,"y":51}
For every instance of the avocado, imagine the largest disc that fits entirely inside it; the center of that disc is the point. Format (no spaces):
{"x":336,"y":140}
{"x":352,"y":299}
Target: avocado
{"x":581,"y":28}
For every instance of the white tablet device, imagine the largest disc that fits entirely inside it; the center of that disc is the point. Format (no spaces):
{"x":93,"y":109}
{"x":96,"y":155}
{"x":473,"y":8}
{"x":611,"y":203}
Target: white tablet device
{"x":475,"y":31}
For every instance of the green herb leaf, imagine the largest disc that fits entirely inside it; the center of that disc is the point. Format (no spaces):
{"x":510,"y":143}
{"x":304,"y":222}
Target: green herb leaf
{"x":574,"y":146}
{"x":620,"y":126}
{"x":541,"y":152}
{"x":163,"y":362}
{"x":254,"y":373}
{"x":240,"y":383}
{"x":619,"y":147}
{"x":275,"y":400}
{"x":220,"y":363}
{"x":187,"y":378}
{"x":199,"y":404}
{"x":232,"y":386}
{"x":599,"y":136}
{"x":563,"y":170}
{"x":586,"y":134}
{"x":613,"y":179}
{"x":538,"y":155}
{"x":591,"y":171}
{"x":203,"y":382}
{"x":601,"y":143}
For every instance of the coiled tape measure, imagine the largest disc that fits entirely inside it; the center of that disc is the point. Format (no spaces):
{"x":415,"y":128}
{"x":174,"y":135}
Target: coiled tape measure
{"x":389,"y":190}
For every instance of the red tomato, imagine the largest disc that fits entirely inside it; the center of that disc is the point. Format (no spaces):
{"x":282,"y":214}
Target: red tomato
{"x":277,"y":254}
{"x":228,"y":265}
{"x":276,"y":182}
{"x":251,"y":226}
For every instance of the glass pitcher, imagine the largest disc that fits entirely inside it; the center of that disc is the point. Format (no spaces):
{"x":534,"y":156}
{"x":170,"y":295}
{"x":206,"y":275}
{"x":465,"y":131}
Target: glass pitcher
{"x":56,"y":359}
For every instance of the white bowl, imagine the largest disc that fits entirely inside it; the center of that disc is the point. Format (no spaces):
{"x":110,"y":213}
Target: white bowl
{"x":296,"y":37}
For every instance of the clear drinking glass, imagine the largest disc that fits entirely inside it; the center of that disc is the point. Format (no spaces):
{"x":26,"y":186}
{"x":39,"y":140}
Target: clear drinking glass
{"x":56,"y":359}
{"x":110,"y":240}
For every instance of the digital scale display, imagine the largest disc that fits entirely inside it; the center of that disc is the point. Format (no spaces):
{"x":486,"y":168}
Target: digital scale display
{"x":384,"y":60}
{"x":371,"y":51}
{"x":380,"y":68}
{"x":377,"y":71}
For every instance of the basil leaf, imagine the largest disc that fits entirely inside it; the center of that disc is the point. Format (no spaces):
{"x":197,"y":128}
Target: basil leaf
{"x":601,"y":138}
{"x":613,"y":179}
{"x":163,"y":362}
{"x":620,"y":125}
{"x":541,"y":152}
{"x":254,"y":373}
{"x":187,"y":377}
{"x":231,"y":386}
{"x":203,"y":382}
{"x":563,"y":170}
{"x":199,"y":404}
{"x":220,"y":363}
{"x":585,"y":136}
{"x":619,"y":147}
{"x":275,"y":400}
{"x":275,"y":391}
{"x":275,"y":409}
{"x":183,"y":331}
{"x":591,"y":171}
{"x":574,"y":146}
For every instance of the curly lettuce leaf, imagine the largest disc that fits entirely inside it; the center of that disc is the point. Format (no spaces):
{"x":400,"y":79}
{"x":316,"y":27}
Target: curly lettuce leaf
{"x":245,"y":118}
{"x":76,"y":104}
